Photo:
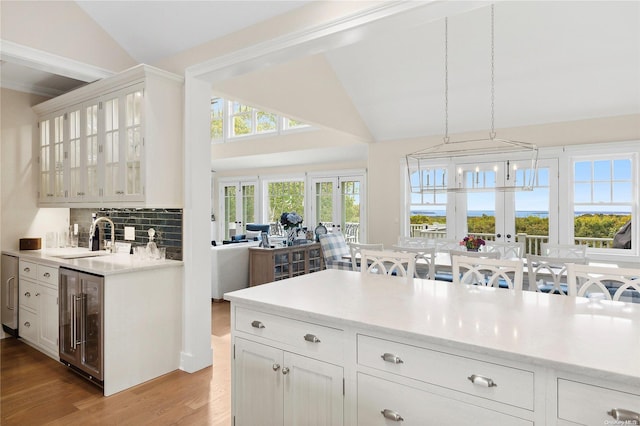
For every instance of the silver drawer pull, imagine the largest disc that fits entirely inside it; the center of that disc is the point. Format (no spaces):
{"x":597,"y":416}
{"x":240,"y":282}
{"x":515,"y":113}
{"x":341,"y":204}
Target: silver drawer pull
{"x":482,"y":381}
{"x":623,"y":415}
{"x":46,"y":275}
{"x":27,"y":324}
{"x":285,"y":371}
{"x":257,"y":324}
{"x":311,"y":338}
{"x":275,"y":367}
{"x":27,"y":269}
{"x":391,"y":358}
{"x":27,"y":294}
{"x":392,"y":415}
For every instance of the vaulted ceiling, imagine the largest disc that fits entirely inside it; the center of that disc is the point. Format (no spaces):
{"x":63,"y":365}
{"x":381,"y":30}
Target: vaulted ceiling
{"x":554,"y":61}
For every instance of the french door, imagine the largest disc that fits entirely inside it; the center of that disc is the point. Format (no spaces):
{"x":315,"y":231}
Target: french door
{"x":487,"y":209}
{"x":239,"y":206}
{"x":338,"y":202}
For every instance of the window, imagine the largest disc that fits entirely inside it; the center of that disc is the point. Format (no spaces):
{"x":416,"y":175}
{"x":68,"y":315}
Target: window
{"x":231,"y":119}
{"x":428,"y":205}
{"x":283,"y":196}
{"x":602,"y":200}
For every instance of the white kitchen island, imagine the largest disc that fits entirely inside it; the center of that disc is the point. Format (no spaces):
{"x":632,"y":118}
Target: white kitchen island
{"x":141,"y":313}
{"x":337,"y":347}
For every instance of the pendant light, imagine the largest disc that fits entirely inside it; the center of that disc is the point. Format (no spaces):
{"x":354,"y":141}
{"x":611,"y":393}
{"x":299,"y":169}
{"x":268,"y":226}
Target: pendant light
{"x":448,"y":149}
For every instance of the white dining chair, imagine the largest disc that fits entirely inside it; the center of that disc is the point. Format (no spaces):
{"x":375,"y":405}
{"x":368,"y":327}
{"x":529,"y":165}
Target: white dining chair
{"x":507,"y":250}
{"x":388,"y":263}
{"x":446,"y":245}
{"x":487,"y":272}
{"x":425,"y":261}
{"x":610,"y":283}
{"x":415,"y":242}
{"x":549,"y":274}
{"x":570,"y":251}
{"x":356,"y":249}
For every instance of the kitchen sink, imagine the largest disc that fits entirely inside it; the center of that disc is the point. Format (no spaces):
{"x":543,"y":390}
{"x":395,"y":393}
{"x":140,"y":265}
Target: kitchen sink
{"x":75,"y":253}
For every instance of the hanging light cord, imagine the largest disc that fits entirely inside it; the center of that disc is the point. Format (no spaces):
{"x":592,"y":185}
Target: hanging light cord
{"x":446,"y":80}
{"x":492,"y":135}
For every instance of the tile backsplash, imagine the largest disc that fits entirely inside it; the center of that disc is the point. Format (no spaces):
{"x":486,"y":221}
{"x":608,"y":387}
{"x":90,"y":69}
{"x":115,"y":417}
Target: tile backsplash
{"x":166,"y":222}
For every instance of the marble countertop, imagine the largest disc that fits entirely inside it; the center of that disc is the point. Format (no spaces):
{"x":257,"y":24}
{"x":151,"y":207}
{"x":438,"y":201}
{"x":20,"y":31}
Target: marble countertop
{"x":582,"y":336}
{"x":104,"y":264}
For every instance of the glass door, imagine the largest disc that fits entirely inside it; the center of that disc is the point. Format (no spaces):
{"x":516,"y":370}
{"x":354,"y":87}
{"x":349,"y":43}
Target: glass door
{"x":239,"y":206}
{"x":337,"y":203}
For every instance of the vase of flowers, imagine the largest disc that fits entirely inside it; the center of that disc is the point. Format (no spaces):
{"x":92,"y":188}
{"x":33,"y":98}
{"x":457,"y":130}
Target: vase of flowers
{"x":472,"y":243}
{"x":291,"y":224}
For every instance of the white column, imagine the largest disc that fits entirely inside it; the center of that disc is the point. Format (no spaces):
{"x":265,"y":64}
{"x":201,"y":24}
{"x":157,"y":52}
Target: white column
{"x":196,"y":347}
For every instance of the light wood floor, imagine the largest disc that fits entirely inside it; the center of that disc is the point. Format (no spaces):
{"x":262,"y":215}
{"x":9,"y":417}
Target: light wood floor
{"x":37,"y":390}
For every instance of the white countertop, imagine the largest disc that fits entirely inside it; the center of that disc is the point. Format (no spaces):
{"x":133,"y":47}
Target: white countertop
{"x":101,"y":265}
{"x":600,"y":338}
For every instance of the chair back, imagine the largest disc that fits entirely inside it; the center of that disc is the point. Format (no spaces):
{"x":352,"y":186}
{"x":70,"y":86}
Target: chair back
{"x":445,"y":245}
{"x":570,"y":251}
{"x":507,"y":250}
{"x":487,"y":272}
{"x":388,"y":263}
{"x":334,"y":249}
{"x":356,"y":249}
{"x":415,"y":242}
{"x":425,"y":261}
{"x":611,"y":283}
{"x":549,"y":274}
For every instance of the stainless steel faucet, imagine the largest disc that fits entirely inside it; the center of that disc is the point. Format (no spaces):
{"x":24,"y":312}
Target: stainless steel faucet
{"x":92,"y":230}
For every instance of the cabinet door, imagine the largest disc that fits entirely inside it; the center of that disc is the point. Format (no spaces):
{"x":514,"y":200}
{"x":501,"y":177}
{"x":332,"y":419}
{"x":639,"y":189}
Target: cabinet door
{"x":91,"y":325}
{"x":48,"y":302}
{"x":51,"y":158}
{"x":89,"y":151}
{"x":258,"y":383}
{"x":313,"y":392}
{"x":68,"y":315}
{"x":382,"y":402}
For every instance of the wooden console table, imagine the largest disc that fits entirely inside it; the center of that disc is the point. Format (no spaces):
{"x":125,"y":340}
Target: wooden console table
{"x":273,"y":264}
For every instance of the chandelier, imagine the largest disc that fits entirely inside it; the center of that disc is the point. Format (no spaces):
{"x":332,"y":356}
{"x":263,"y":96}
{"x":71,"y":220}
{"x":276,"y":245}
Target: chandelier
{"x":422,"y":161}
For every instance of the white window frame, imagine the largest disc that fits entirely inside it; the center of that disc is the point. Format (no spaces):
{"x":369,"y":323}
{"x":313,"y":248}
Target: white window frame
{"x":264,"y":183}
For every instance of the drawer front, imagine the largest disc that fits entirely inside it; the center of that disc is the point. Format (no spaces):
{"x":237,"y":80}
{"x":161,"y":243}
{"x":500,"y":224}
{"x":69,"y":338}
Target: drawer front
{"x":28,"y":295}
{"x":589,"y":404}
{"x":328,"y":342}
{"x":28,"y":269}
{"x":28,"y":326}
{"x":510,"y":385}
{"x":408,"y":406}
{"x":48,"y":274}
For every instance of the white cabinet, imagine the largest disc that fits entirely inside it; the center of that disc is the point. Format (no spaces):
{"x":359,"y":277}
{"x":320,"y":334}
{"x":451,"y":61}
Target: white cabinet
{"x":287,"y":381}
{"x":114,"y":142}
{"x":38,"y":310}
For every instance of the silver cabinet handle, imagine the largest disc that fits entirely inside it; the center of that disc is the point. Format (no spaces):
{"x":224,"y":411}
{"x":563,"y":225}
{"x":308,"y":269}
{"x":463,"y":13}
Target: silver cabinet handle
{"x":392,"y":415}
{"x":311,"y":338}
{"x":27,"y":324}
{"x":257,"y":324}
{"x":27,"y":294}
{"x":285,"y":371}
{"x":27,"y":269}
{"x":46,"y":275}
{"x":37,"y":294}
{"x":481,"y":380}
{"x":275,"y":367}
{"x":624,"y":415}
{"x":391,"y":358}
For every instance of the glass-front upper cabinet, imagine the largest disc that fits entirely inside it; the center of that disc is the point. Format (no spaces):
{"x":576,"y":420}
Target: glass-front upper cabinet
{"x":52,"y":158}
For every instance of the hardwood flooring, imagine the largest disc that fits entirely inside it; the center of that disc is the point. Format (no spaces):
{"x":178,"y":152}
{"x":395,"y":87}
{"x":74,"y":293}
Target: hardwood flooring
{"x":37,"y":390}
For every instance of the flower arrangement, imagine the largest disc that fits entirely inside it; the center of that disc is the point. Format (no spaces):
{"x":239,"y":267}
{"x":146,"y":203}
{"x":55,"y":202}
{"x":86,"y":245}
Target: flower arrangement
{"x":471,"y":242}
{"x":290,"y":220}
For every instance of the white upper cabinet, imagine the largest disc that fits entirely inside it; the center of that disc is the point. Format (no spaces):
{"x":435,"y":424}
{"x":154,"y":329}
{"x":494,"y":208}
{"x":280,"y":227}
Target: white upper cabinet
{"x":116,"y":142}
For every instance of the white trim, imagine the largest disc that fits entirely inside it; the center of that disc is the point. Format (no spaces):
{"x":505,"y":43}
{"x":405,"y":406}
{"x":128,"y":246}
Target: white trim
{"x":44,"y":61}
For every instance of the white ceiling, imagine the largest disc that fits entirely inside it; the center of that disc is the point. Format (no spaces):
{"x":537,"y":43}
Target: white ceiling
{"x":554,"y":61}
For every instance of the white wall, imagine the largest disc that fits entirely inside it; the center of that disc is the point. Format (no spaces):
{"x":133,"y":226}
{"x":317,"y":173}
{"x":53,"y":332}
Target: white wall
{"x":19,"y":214}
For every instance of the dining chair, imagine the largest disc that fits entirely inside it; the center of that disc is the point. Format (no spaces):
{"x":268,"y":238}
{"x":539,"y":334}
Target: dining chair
{"x":446,"y":245}
{"x":570,"y":251}
{"x":549,"y":274}
{"x":388,"y":263}
{"x":425,"y":261}
{"x":415,"y":242}
{"x":356,"y":249}
{"x":610,"y":283}
{"x":334,"y":250}
{"x":507,"y":250}
{"x":487,"y":272}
